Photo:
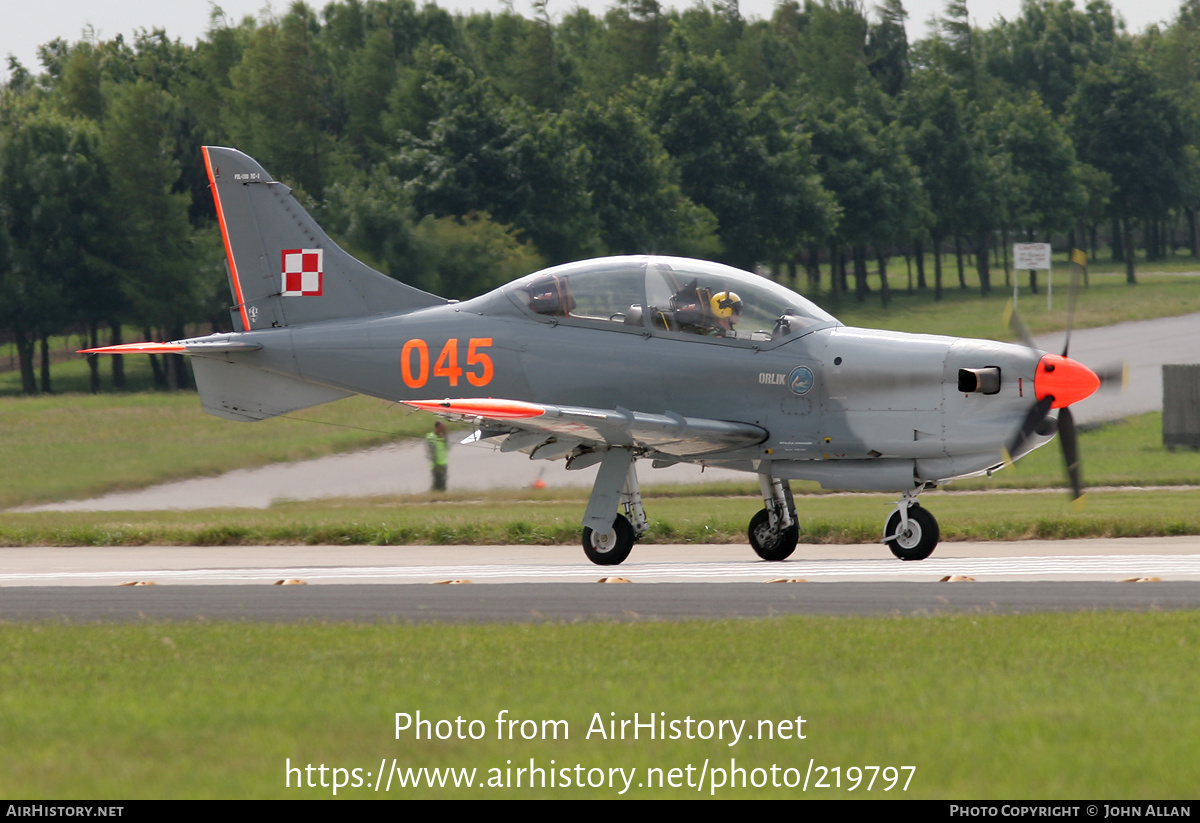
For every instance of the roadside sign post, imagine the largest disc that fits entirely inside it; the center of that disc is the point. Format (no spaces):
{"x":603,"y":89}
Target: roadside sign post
{"x":1032,"y":257}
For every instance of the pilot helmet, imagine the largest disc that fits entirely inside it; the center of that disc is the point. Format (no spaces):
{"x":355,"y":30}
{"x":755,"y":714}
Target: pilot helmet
{"x":725,"y":304}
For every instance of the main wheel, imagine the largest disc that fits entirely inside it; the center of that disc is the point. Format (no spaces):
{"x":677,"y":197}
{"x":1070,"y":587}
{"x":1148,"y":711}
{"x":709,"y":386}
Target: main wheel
{"x":772,"y":545}
{"x":921,"y":537}
{"x":609,"y":549}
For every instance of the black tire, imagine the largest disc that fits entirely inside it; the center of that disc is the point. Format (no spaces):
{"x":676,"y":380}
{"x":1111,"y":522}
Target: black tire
{"x":770,"y":545}
{"x":921,"y":538}
{"x":613,"y":553}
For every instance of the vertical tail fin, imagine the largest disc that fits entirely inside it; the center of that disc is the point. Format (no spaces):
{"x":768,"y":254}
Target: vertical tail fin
{"x":283,"y":269}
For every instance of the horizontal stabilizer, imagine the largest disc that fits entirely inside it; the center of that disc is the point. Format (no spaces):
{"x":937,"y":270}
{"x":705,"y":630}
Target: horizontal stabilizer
{"x":216,"y":344}
{"x":246,"y":393}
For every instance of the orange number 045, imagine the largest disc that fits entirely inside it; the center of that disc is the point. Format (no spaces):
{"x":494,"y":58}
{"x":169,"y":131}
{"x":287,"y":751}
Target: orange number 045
{"x":416,"y":374}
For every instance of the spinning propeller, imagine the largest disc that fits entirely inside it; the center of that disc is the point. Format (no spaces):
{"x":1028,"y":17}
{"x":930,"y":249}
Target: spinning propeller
{"x":1059,"y":382}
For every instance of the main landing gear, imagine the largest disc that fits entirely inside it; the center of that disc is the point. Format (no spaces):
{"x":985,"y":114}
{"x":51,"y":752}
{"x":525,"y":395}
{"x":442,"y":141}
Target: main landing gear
{"x":774,"y":530}
{"x":911,"y":532}
{"x":608,"y":542}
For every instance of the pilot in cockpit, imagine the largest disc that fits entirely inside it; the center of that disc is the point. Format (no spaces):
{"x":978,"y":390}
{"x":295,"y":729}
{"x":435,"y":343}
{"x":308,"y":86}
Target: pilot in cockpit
{"x":726,"y":309}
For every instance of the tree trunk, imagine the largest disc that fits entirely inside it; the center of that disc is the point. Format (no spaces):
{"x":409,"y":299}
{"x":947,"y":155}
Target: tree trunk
{"x":1130,"y":269}
{"x":118,"y":360}
{"x":1118,"y":245}
{"x":180,"y":374}
{"x":919,"y":253}
{"x":937,"y":268}
{"x":45,"y":344}
{"x":885,"y":292}
{"x":861,"y":288}
{"x":958,"y":256}
{"x":833,"y":272}
{"x":25,"y":356}
{"x":93,"y":360}
{"x":1004,"y":250}
{"x":1191,"y":231}
{"x":982,"y":249}
{"x":812,"y":267}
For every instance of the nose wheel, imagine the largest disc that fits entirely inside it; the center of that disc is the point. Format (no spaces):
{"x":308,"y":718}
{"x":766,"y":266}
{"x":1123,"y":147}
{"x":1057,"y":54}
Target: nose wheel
{"x":913,"y":537}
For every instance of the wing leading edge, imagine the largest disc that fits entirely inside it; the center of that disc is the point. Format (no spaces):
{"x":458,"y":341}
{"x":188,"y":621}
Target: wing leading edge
{"x":579,"y":433}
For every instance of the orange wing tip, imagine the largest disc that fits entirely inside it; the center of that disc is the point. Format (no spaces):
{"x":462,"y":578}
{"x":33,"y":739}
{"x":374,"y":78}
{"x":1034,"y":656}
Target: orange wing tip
{"x":496,"y":409}
{"x":137,"y":348}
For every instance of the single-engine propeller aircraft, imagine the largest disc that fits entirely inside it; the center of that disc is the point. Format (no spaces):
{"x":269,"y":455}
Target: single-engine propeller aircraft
{"x":620,"y":359}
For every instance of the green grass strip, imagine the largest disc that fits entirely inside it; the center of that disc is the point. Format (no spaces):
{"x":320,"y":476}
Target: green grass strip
{"x":1049,"y":706}
{"x":520,"y":518}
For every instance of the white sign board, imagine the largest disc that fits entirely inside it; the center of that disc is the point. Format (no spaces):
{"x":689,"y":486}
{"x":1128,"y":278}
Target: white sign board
{"x":1031,"y":256}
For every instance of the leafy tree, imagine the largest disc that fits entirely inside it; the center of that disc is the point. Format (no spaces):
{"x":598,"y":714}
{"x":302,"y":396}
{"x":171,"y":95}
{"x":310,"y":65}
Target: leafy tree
{"x":946,"y":153}
{"x":1126,"y":125}
{"x":276,"y":100}
{"x":887,"y":48}
{"x":633,"y":185}
{"x":1049,"y":44}
{"x":481,"y":155}
{"x":832,"y":50}
{"x":876,"y":186}
{"x":53,"y":204}
{"x":739,"y":162}
{"x":153,"y":237}
{"x":471,"y":255}
{"x":370,"y":78}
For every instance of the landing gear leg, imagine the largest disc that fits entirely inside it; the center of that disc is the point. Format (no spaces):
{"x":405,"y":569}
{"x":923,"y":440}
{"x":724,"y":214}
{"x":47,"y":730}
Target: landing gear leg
{"x":774,"y":530}
{"x":631,"y":501}
{"x":911,"y":531}
{"x":608,"y":541}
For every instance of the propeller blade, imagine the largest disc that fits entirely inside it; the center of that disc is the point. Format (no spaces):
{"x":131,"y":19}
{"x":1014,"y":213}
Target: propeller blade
{"x":1014,"y":322}
{"x":1073,"y":292}
{"x":1114,"y":377}
{"x":1070,"y":447}
{"x":1037,"y":413}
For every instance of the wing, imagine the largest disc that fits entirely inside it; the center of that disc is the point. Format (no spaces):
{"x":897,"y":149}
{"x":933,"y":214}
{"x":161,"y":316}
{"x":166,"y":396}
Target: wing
{"x":580,"y":434}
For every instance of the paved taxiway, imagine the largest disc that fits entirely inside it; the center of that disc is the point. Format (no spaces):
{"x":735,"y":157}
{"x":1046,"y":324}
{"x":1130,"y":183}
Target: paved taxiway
{"x":556,"y":583}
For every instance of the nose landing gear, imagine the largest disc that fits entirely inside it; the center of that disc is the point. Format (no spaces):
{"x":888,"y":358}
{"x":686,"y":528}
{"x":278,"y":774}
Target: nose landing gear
{"x":911,"y":532}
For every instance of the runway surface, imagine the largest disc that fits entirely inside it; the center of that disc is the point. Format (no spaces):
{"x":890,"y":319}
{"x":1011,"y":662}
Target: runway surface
{"x":556,"y":583}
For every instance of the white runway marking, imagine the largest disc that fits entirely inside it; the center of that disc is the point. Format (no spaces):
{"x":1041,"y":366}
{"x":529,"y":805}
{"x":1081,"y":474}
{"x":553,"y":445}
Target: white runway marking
{"x":1095,"y":567}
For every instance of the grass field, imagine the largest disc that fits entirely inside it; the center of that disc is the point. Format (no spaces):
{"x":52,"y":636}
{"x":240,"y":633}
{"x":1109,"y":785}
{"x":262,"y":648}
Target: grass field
{"x":1038,"y":706}
{"x":519,"y":518}
{"x":62,"y":447}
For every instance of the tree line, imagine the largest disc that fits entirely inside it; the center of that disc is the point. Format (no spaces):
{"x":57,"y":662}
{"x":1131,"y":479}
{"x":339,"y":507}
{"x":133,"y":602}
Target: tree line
{"x":456,"y":152}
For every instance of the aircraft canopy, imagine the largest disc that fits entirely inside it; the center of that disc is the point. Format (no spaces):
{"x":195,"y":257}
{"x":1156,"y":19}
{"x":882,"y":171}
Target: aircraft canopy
{"x":669,"y":294}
